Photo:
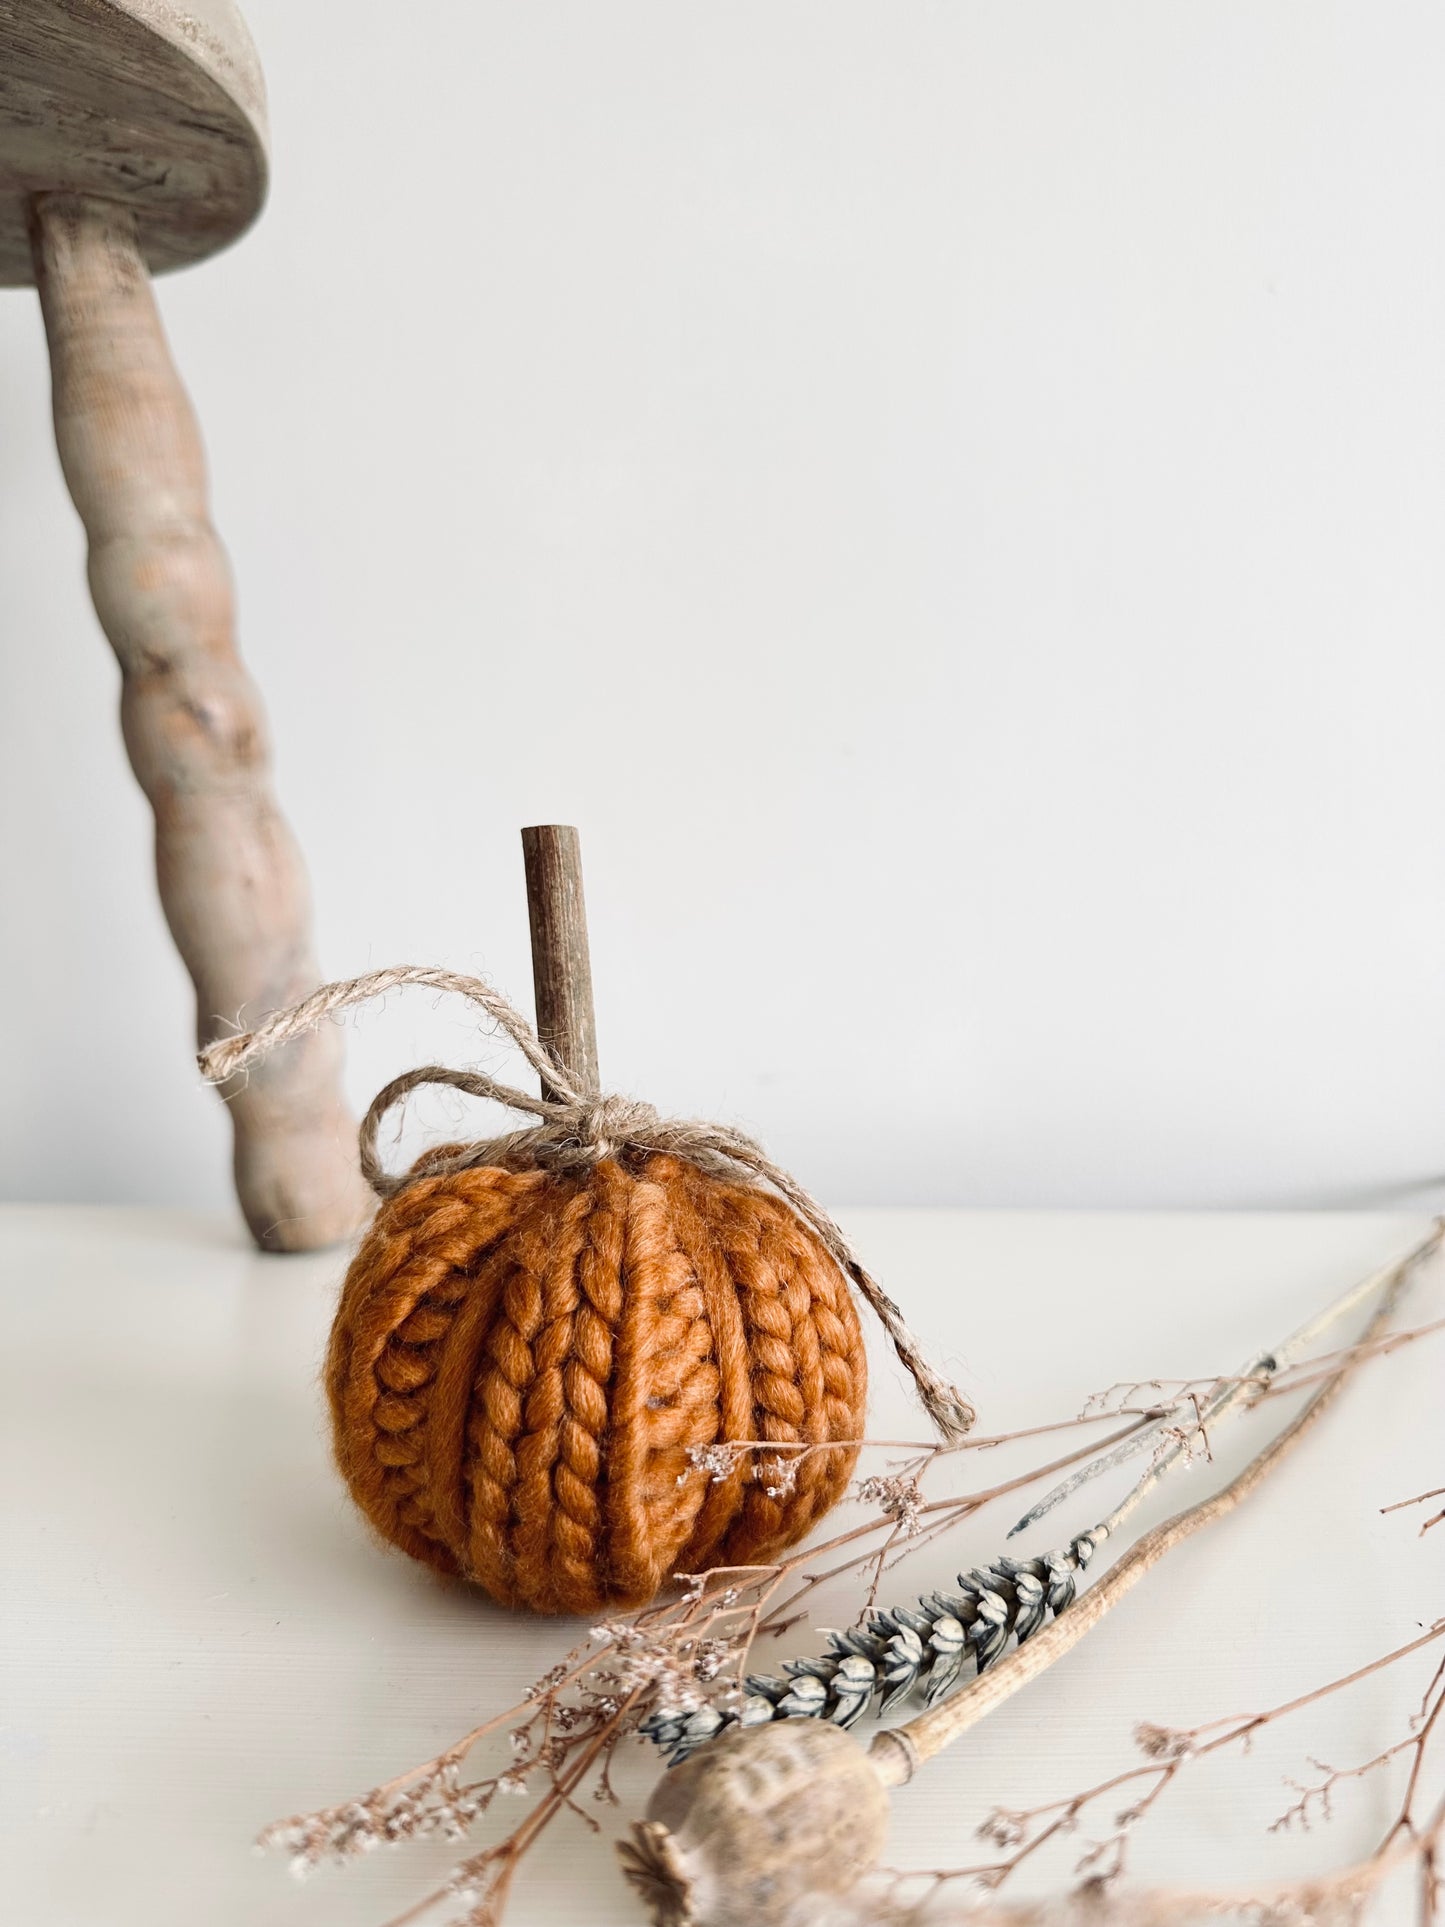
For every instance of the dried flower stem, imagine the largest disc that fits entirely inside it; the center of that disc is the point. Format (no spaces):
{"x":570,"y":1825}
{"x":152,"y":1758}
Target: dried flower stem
{"x":1253,"y":1378}
{"x":953,"y":1511}
{"x":1420,"y":1498}
{"x":691,"y":1648}
{"x":571,"y":1722}
{"x":1170,"y":1751}
{"x":888,"y":1655}
{"x":898,"y":1752}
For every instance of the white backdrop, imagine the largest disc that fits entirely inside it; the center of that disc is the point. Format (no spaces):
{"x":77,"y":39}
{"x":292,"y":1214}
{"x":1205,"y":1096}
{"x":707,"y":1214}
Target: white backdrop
{"x":949,"y":497}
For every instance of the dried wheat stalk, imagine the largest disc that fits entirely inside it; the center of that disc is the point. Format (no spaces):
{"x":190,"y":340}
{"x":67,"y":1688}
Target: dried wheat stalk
{"x":947,"y":1636}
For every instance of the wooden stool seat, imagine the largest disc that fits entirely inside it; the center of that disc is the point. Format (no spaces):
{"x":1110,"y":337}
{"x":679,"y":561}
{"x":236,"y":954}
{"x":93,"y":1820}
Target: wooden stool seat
{"x":142,"y":102}
{"x":133,"y":137}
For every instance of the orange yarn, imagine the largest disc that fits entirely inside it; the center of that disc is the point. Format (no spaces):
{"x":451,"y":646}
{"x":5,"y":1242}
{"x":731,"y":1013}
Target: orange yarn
{"x":522,"y":1359}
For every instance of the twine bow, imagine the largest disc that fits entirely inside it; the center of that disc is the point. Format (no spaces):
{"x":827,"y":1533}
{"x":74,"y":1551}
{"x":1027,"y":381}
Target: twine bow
{"x":576,"y":1129}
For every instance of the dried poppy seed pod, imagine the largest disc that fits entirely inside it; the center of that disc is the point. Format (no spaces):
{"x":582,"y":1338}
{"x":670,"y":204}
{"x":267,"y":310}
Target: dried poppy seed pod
{"x":755,"y":1825}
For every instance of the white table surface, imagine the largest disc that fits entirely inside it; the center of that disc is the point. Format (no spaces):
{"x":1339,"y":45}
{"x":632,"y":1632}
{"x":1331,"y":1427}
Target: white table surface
{"x":199,"y":1636}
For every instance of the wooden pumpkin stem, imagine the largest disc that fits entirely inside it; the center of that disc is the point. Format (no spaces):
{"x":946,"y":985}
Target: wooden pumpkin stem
{"x":561,"y":966}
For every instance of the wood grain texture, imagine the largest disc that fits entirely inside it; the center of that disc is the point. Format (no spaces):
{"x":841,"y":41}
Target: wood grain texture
{"x":153,"y":104}
{"x":561,"y":964}
{"x":231,"y":877}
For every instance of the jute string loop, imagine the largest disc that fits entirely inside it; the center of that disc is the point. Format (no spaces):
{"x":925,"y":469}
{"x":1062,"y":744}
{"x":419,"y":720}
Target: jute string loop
{"x":575,"y":1130}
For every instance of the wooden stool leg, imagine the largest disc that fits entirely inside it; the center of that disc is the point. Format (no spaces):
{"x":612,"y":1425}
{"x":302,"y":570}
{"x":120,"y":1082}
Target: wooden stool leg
{"x":231,"y":878}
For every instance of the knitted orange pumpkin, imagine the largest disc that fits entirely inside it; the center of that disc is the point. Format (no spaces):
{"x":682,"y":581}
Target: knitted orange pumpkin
{"x":548,"y":1341}
{"x":522,"y":1361}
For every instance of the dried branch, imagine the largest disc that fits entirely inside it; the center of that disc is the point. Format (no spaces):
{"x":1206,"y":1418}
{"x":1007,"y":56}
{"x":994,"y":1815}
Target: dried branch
{"x":948,"y":1635}
{"x":1420,"y":1498}
{"x":1246,"y":1386}
{"x":689,"y":1653}
{"x":900,"y":1751}
{"x":1169,"y":1751}
{"x":689,"y":1650}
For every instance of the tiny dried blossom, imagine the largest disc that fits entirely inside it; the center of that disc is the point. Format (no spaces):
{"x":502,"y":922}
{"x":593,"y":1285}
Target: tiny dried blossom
{"x":709,"y":1658}
{"x":435,"y":1805}
{"x":898,"y":1499}
{"x":1191,"y":1441}
{"x":476,"y":1883}
{"x":1002,"y":1828}
{"x":1163,"y":1742}
{"x":779,"y":1477}
{"x":539,"y":1689}
{"x":646,"y":1660}
{"x":1302,"y":1813}
{"x":511,"y":1783}
{"x":718,"y":1461}
{"x":1132,"y":1393}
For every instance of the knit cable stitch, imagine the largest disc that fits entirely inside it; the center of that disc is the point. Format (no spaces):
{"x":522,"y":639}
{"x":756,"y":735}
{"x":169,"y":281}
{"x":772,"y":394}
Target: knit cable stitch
{"x":576,"y":1130}
{"x":541,"y":1334}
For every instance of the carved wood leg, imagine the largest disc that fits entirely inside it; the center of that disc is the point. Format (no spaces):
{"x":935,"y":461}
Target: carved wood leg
{"x":231,"y":877}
